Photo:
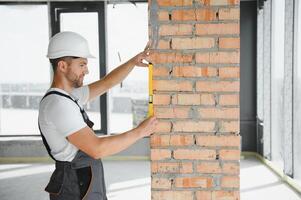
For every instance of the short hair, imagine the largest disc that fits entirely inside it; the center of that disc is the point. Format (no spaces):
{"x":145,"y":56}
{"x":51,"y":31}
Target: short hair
{"x":54,"y":62}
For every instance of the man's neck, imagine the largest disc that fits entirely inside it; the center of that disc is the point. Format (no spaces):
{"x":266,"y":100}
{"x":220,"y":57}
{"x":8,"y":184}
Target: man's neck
{"x":58,"y":84}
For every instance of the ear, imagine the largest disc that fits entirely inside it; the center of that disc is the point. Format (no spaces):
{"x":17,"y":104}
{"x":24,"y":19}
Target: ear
{"x":62,"y":66}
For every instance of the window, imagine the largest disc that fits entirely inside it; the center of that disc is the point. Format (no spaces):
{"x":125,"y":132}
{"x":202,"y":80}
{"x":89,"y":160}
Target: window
{"x":24,"y":71}
{"x":127,"y":35}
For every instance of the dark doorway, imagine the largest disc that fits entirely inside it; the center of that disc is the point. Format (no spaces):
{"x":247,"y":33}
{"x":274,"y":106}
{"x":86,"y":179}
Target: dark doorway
{"x":248,"y":41}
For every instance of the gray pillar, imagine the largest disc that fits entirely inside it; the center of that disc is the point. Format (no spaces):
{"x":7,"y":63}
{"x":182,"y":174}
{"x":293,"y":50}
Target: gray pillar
{"x":267,"y":79}
{"x":260,"y":64}
{"x":288,"y":87}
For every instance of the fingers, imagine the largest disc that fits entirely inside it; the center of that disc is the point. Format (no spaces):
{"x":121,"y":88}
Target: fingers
{"x":148,"y":45}
{"x":143,"y":65}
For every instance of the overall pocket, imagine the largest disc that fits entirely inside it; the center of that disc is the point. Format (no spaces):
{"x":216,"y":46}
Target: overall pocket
{"x":55,"y":184}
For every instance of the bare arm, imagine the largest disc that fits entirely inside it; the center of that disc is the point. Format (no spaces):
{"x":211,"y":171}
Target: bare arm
{"x":99,"y":147}
{"x":117,"y":75}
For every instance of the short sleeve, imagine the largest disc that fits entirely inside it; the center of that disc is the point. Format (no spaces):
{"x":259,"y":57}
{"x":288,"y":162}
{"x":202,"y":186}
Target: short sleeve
{"x":82,"y":94}
{"x":65,"y":116}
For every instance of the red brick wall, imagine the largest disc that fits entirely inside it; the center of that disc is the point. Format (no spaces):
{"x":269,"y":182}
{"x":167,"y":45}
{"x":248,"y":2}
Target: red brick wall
{"x":196,"y":148}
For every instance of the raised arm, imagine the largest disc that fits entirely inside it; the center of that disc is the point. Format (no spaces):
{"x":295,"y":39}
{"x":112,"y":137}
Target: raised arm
{"x":117,"y":75}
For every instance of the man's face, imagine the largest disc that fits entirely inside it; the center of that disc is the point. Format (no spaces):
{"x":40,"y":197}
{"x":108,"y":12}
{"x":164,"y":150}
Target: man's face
{"x":77,"y":69}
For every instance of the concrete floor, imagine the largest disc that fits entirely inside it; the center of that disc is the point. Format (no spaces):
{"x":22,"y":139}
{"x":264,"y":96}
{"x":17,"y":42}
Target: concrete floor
{"x":131,"y":180}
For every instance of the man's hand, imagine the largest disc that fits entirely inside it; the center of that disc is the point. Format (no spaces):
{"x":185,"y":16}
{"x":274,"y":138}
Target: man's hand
{"x":144,"y":55}
{"x":147,"y":127}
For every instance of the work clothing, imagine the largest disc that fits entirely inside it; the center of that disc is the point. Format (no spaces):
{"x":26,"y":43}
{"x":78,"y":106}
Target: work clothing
{"x":83,"y":177}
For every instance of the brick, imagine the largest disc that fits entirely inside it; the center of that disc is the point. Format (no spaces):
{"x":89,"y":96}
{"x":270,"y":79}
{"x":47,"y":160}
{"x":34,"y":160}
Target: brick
{"x":229,"y":100}
{"x":209,"y":71}
{"x":232,"y":126}
{"x":230,"y":168}
{"x":174,"y":140}
{"x":225,"y":195}
{"x":163,"y":126}
{"x":217,"y":86}
{"x":229,"y":43}
{"x":219,"y":113}
{"x":229,"y":72}
{"x":228,"y":14}
{"x":218,"y":58}
{"x":181,"y":140}
{"x":191,"y":126}
{"x":219,"y":2}
{"x":207,"y":99}
{"x":193,"y":182}
{"x":176,"y":29}
{"x":163,"y":44}
{"x":192,"y":154}
{"x":228,"y":154}
{"x":193,"y":43}
{"x":213,"y":141}
{"x":159,"y":58}
{"x":161,"y":183}
{"x":188,"y":99}
{"x":175,"y":2}
{"x":161,"y":71}
{"x":217,"y":29}
{"x":172,"y":167}
{"x":163,"y":16}
{"x":230,"y":181}
{"x":194,"y":15}
{"x":206,"y":15}
{"x":191,"y":71}
{"x":203,"y":195}
{"x":159,"y":140}
{"x":217,"y":195}
{"x":172,"y":195}
{"x":183,"y":15}
{"x":177,"y":112}
{"x":172,"y":85}
{"x":160,"y":154}
{"x":185,"y":168}
{"x":161,"y":99}
{"x":209,"y":167}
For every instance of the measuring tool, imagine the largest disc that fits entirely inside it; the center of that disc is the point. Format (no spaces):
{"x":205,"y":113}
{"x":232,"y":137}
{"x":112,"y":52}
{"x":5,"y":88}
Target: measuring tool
{"x":150,"y":90}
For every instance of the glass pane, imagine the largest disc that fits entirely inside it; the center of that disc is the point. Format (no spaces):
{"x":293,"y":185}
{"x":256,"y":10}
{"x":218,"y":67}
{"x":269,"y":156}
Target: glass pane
{"x":86,"y":24}
{"x":277,"y":76}
{"x":297,"y":96}
{"x":127,"y":36}
{"x":25,"y":70}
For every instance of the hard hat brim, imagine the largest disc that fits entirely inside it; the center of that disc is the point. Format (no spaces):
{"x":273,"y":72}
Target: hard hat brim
{"x":60,"y":55}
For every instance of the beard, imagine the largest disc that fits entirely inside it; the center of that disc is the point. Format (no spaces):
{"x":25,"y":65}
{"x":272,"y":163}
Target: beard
{"x":76,"y":81}
{"x":79,"y":82}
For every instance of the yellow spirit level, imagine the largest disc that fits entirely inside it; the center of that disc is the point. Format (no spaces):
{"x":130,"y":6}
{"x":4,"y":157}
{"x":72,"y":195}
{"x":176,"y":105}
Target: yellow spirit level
{"x":150,"y":90}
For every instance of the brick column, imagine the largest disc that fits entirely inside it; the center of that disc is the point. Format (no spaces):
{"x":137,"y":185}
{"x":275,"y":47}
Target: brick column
{"x":195,"y":151}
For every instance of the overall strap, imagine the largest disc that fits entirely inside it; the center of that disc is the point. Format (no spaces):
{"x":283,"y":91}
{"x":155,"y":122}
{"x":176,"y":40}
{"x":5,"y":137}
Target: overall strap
{"x":83,"y":112}
{"x":60,"y":94}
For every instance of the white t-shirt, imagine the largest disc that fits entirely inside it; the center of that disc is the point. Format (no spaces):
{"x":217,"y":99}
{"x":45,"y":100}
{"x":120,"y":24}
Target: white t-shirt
{"x":60,"y":117}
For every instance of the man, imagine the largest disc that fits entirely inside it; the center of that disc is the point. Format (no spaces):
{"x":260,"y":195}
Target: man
{"x":65,"y":127}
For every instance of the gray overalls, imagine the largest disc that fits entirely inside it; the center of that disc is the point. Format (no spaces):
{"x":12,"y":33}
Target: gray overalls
{"x":82,"y":178}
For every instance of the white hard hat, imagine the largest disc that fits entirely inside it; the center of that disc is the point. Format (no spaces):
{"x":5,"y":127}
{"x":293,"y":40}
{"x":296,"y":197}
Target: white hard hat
{"x":68,"y":43}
